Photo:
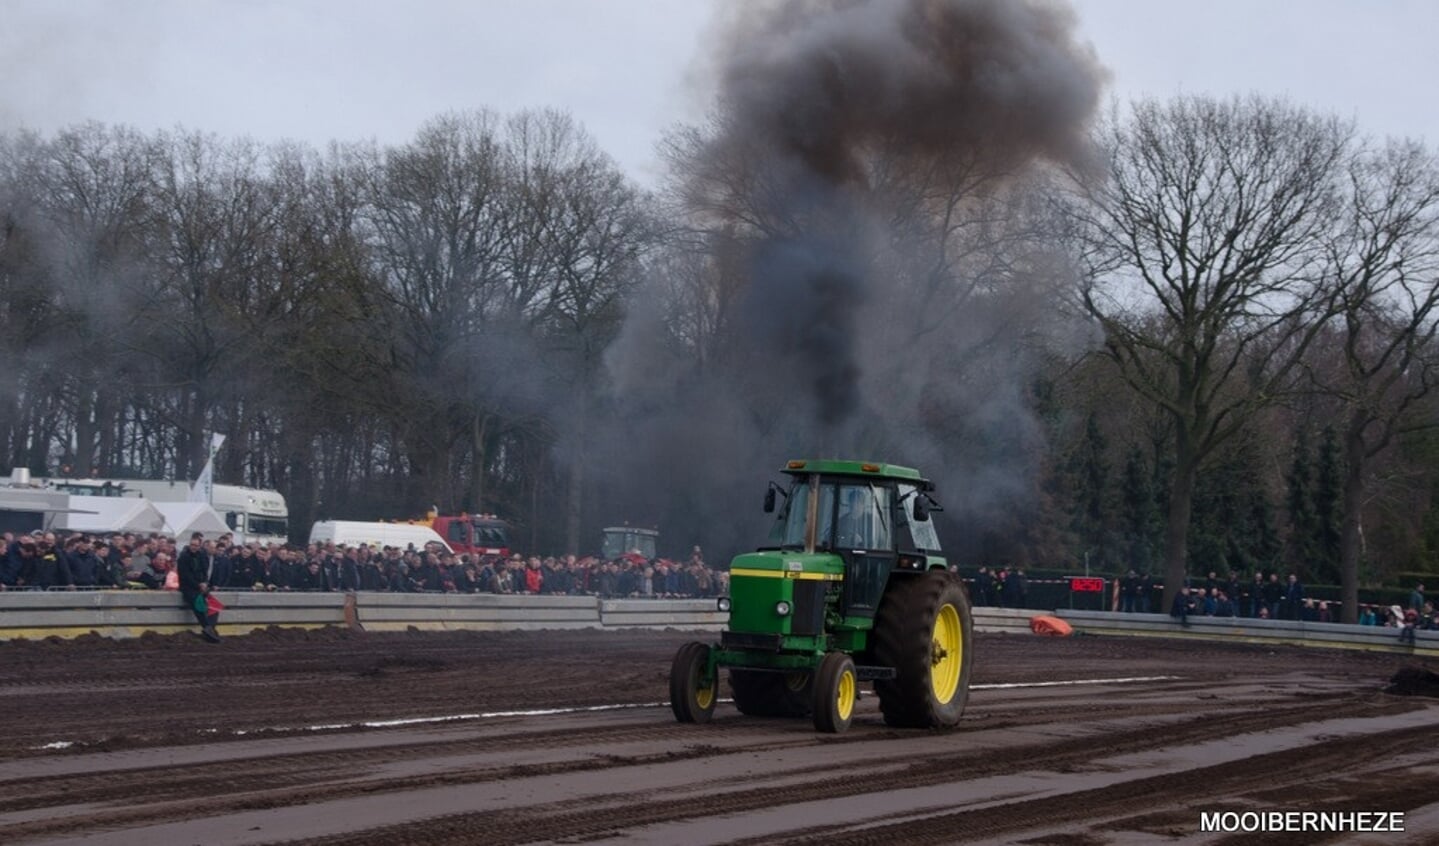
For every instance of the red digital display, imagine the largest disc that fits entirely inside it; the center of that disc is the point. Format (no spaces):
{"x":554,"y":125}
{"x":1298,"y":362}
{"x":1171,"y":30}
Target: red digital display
{"x":1086,"y":585}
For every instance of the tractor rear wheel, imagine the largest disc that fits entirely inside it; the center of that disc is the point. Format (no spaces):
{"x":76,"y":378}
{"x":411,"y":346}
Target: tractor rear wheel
{"x":692,"y":687}
{"x":924,"y":630}
{"x":836,"y":689}
{"x":763,"y":694}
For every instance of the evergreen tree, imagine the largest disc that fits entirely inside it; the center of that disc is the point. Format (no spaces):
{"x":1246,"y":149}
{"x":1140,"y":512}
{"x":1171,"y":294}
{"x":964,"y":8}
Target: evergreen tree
{"x":1140,"y":513}
{"x":1267,"y":545}
{"x":1328,"y":515}
{"x":1089,"y":474}
{"x":1300,"y":502}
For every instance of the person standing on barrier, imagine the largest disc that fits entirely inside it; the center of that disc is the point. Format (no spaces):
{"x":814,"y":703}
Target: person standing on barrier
{"x":1293,"y":598}
{"x":1145,"y":591}
{"x":1129,"y":592}
{"x":19,"y":562}
{"x":1021,"y":589}
{"x":51,"y":568}
{"x":1273,"y":592}
{"x":1255,"y":600}
{"x":196,"y":567}
{"x":983,"y":585}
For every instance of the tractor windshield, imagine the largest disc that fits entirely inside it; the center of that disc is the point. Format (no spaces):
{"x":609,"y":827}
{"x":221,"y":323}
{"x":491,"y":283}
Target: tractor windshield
{"x":864,"y":518}
{"x":850,"y":515}
{"x":789,"y":528}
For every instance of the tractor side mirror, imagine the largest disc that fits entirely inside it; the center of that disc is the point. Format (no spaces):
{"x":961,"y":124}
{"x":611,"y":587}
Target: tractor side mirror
{"x":769,"y":501}
{"x":921,"y":509}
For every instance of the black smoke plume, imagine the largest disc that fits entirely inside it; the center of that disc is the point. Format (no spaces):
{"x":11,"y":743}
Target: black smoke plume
{"x":845,"y":321}
{"x":817,"y":88}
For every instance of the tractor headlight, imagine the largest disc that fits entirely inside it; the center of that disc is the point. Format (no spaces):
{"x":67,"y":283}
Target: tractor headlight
{"x":781,"y":608}
{"x":723,"y":603}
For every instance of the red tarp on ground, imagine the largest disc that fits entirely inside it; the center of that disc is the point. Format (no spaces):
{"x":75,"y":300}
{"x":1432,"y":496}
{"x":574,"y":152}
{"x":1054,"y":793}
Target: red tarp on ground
{"x":1045,"y":624}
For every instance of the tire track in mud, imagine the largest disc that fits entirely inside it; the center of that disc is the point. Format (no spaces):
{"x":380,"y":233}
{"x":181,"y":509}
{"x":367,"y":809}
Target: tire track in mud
{"x":997,"y":709}
{"x":609,"y":814}
{"x":1265,"y":771}
{"x":299,"y":768}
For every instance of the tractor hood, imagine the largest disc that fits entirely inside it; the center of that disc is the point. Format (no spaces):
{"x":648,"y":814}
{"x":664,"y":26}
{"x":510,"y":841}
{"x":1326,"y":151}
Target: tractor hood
{"x":776,"y":595}
{"x":774,"y":564}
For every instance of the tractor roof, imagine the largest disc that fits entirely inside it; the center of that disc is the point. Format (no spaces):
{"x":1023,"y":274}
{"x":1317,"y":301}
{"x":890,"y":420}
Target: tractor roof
{"x":832,"y":466}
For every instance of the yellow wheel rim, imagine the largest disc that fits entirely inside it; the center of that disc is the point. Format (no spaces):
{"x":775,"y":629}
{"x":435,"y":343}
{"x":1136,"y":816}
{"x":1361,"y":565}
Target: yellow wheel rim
{"x":946,"y":654}
{"x":705,"y":696}
{"x":844,"y":700}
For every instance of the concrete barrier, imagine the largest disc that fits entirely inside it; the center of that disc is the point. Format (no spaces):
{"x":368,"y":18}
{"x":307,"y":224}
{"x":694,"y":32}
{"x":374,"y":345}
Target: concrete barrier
{"x":690,"y":614}
{"x":122,"y":614}
{"x":379,"y":612}
{"x":1005,"y":620}
{"x":1248,"y":630}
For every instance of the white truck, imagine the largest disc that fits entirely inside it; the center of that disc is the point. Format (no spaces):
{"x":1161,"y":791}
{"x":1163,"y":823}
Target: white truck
{"x":377,"y":535}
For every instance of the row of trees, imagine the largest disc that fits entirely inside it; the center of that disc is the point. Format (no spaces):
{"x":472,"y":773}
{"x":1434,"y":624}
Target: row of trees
{"x":1211,"y":349}
{"x":377,"y":330}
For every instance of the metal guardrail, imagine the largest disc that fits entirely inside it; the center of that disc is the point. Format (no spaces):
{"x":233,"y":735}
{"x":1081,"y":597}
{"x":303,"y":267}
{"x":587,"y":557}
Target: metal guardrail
{"x":474,"y":612}
{"x":122,"y":614}
{"x":1249,"y":630}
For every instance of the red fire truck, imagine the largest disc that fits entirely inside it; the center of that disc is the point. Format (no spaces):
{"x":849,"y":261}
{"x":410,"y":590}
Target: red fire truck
{"x":476,"y":534}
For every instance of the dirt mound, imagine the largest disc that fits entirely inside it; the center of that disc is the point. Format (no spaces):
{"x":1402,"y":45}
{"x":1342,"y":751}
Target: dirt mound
{"x":1414,"y":681}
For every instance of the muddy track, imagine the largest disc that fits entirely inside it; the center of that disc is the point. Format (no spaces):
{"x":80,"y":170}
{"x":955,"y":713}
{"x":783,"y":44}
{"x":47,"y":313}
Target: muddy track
{"x":556,"y":822}
{"x":235,"y":762}
{"x":1194,"y":788}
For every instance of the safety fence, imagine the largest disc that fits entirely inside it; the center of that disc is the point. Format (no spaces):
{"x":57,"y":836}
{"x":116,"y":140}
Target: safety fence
{"x":1089,"y":593}
{"x":122,"y":614}
{"x":1248,"y":630}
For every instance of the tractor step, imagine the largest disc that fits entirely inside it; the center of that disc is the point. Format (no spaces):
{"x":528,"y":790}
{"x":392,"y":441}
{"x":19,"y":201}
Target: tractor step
{"x":873,"y":673}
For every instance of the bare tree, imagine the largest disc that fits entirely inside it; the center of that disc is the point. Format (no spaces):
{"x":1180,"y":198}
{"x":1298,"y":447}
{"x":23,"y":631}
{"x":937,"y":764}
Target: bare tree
{"x":220,"y":218}
{"x":581,"y":228}
{"x":436,"y":220}
{"x":92,"y":190}
{"x":1384,"y":264}
{"x":1203,"y":247}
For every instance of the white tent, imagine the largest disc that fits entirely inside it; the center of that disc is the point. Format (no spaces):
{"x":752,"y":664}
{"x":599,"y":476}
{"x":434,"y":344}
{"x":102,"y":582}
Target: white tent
{"x":184,"y":518}
{"x":109,"y":514}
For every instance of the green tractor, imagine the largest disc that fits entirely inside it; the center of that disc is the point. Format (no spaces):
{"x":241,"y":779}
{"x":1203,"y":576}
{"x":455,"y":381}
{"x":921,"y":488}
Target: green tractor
{"x":850,"y":588}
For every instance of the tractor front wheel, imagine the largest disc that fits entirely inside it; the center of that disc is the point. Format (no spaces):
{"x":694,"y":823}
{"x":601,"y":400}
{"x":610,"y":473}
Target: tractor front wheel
{"x":924,"y":630}
{"x":692,"y":684}
{"x":836,"y":689}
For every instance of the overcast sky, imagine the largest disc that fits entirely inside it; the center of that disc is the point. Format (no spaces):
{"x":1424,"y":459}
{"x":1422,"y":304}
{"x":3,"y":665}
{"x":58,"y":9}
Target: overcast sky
{"x":319,"y":70}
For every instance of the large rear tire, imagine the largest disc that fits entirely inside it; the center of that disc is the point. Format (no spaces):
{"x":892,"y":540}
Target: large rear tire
{"x":836,"y":689}
{"x":692,"y":693}
{"x":924,"y":630}
{"x":764,"y":694}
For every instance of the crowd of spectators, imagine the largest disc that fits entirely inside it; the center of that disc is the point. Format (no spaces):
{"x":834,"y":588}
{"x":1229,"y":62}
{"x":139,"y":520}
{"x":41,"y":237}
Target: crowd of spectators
{"x":43,"y":561}
{"x":1266,"y":599}
{"x":1257,"y":597}
{"x":1001,"y":587}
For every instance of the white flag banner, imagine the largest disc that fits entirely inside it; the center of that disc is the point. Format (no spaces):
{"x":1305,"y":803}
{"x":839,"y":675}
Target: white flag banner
{"x":204,"y":488}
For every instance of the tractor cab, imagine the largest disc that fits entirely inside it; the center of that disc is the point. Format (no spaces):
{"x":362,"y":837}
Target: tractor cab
{"x":873,"y":523}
